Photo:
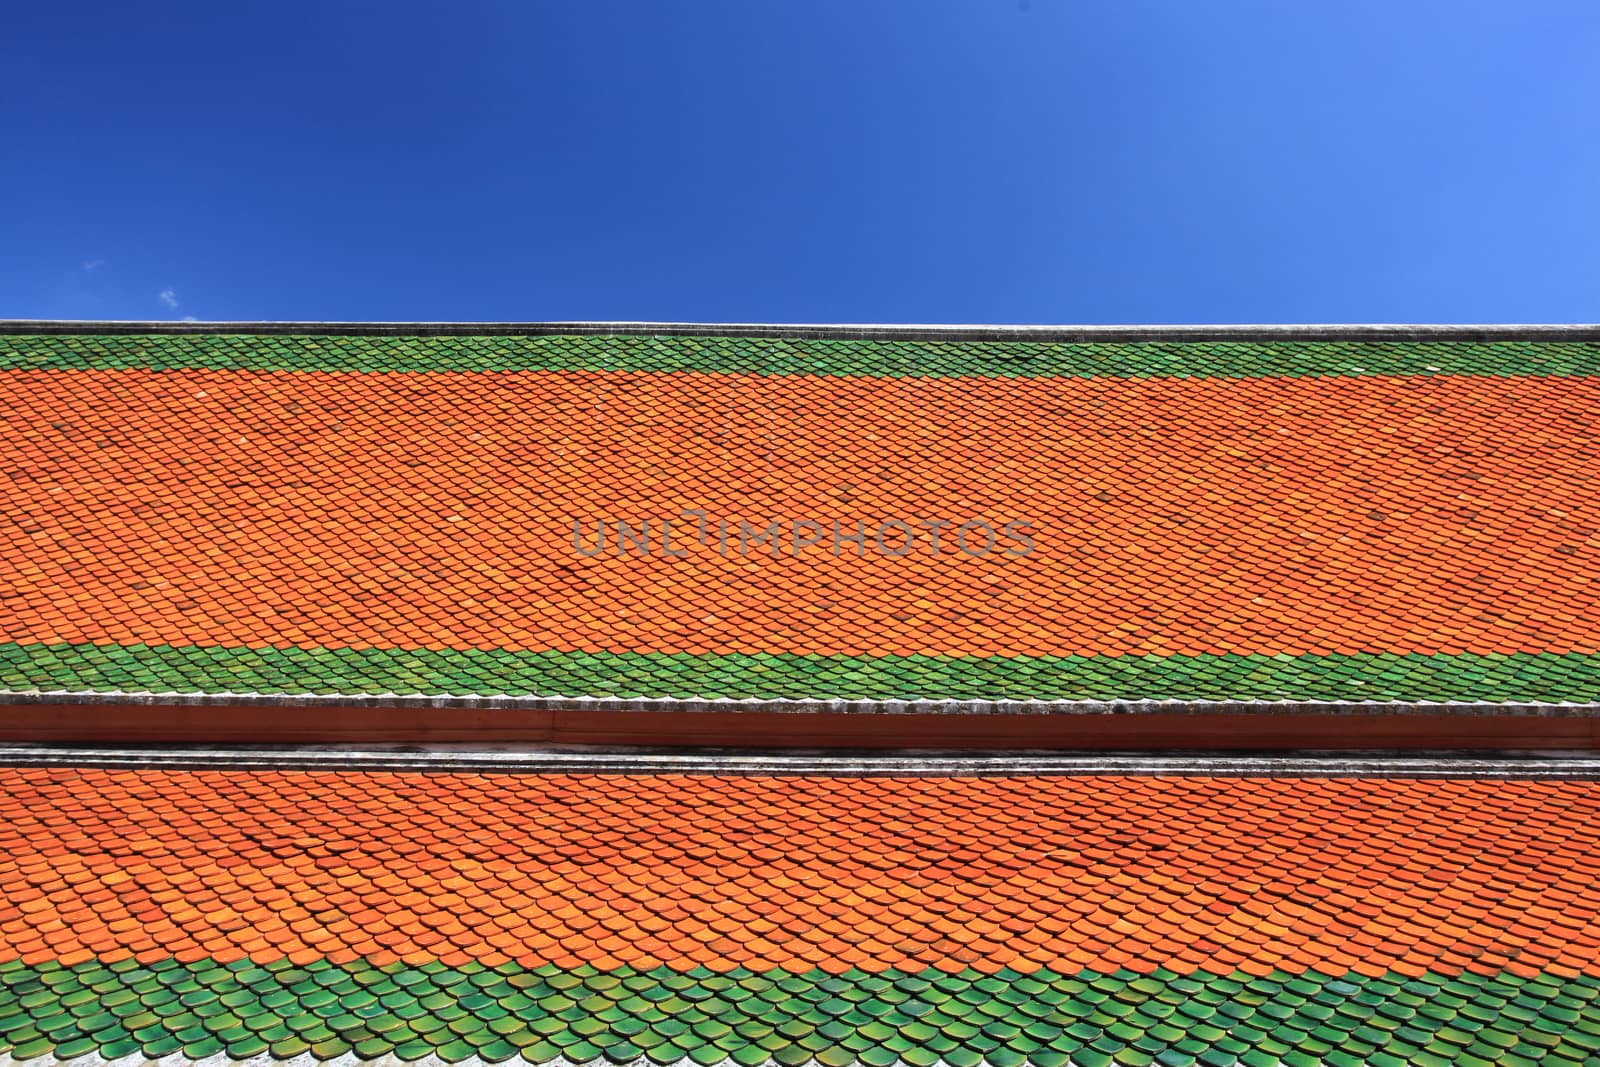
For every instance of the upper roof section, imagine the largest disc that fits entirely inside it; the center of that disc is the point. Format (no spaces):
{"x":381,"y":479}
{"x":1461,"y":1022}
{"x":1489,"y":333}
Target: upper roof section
{"x":1398,"y":514}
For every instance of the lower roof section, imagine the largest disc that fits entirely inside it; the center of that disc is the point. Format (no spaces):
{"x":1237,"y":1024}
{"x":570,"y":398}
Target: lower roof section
{"x":667,"y":918}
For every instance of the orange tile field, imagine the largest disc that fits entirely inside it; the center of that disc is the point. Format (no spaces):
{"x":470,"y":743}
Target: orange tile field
{"x":1447,"y":514}
{"x":1063,"y":873}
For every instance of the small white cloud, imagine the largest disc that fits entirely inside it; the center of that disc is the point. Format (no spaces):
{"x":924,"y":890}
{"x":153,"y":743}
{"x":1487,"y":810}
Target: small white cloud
{"x":93,"y":264}
{"x":190,"y":318}
{"x":168,"y":297}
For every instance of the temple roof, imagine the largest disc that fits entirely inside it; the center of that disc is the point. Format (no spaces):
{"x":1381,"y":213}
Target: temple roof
{"x":350,"y":522}
{"x":1378,"y":515}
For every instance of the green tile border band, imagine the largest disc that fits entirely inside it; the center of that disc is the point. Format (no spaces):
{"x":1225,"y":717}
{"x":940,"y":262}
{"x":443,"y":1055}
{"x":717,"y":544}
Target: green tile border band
{"x":800,"y":356}
{"x":1553,"y":678}
{"x":921,"y":1019}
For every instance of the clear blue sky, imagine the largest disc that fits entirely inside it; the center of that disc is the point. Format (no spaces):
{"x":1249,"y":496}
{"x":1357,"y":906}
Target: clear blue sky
{"x":817,"y":161}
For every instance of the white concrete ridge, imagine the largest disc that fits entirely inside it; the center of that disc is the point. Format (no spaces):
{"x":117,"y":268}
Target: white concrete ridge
{"x":1374,"y":331}
{"x":798,"y":706}
{"x":595,"y":759}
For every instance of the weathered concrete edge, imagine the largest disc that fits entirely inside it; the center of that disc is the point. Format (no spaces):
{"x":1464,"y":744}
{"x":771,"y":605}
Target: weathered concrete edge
{"x":580,"y":759}
{"x":837,"y":706}
{"x":849,"y":331}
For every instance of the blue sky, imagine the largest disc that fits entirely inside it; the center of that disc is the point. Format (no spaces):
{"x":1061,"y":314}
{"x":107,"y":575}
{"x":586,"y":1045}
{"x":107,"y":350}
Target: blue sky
{"x":817,"y":161}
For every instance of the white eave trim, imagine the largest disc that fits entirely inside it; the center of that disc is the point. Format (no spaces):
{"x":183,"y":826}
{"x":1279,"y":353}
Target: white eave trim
{"x":1265,"y":332}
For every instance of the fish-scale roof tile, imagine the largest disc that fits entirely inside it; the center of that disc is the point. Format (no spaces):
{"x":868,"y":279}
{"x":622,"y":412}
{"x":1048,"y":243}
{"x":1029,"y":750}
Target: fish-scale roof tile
{"x":800,"y":518}
{"x":1223,"y":519}
{"x":841,"y":921}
